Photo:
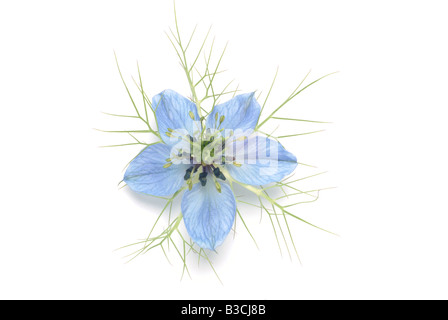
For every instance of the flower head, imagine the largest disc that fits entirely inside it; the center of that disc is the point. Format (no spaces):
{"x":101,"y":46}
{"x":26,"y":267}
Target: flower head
{"x":204,"y":156}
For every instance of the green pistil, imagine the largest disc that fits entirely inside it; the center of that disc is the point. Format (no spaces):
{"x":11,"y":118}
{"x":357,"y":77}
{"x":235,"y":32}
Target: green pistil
{"x":204,"y":143}
{"x":218,"y":186}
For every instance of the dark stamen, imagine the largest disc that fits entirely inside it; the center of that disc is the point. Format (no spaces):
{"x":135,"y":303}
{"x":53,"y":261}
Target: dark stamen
{"x":218,"y":174}
{"x":188,"y":173}
{"x":203,"y":178}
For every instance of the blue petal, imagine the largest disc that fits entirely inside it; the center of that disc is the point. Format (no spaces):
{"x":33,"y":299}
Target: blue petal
{"x":173,"y":112}
{"x":262,"y":160}
{"x":208,"y":214}
{"x":146,"y":174}
{"x":241,"y":112}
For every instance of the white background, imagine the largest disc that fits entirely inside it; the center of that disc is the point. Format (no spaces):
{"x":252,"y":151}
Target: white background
{"x":62,"y":215}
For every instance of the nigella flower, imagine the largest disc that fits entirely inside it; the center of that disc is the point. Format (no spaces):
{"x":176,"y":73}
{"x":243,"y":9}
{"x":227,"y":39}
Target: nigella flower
{"x":204,"y":155}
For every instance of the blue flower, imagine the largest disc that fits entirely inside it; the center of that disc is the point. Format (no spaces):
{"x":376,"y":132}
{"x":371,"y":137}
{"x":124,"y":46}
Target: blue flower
{"x":203,"y":155}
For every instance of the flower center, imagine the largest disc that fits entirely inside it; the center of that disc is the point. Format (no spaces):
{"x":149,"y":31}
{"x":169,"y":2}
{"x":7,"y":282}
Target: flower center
{"x":203,"y":170}
{"x":206,"y":153}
